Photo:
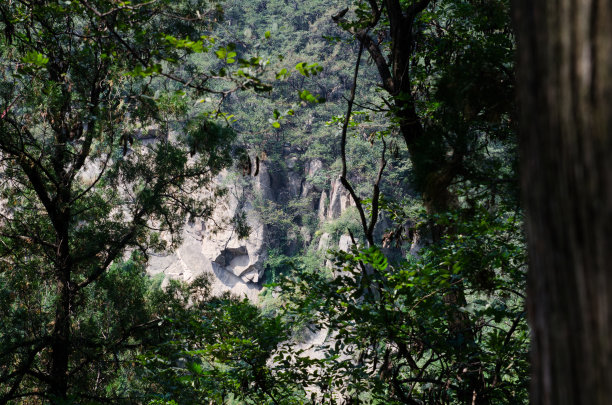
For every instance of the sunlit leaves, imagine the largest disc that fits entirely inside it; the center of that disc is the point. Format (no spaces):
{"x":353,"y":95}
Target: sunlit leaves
{"x":202,"y":45}
{"x":282,"y":74}
{"x":310,"y":98}
{"x":227,"y":53}
{"x":35,"y":59}
{"x":144,"y":71}
{"x":308,"y":69}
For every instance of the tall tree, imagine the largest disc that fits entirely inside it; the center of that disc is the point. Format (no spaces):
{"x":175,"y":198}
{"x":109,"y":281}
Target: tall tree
{"x":446,"y":68}
{"x":409,"y":41}
{"x":565,"y":94}
{"x":98,"y":162}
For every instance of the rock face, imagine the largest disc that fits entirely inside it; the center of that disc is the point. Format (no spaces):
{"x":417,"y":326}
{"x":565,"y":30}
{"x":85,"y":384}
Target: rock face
{"x":324,"y":242}
{"x":241,"y":258}
{"x":345,"y":243}
{"x":339,"y":200}
{"x":323,"y":206}
{"x":312,"y":167}
{"x":237,"y":266}
{"x":213,"y":248}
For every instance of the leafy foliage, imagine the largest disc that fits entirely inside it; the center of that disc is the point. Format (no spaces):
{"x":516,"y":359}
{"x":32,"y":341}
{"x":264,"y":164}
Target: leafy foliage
{"x":218,"y":350}
{"x":387,"y":324}
{"x":93,"y":172}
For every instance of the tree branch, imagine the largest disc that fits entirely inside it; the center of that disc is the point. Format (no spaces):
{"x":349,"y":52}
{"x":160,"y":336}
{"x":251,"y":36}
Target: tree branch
{"x":347,"y":118}
{"x":373,"y":49}
{"x":376,"y":192}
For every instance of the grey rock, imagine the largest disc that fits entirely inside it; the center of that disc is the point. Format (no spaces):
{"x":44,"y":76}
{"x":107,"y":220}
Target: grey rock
{"x":322,"y":206}
{"x":214,"y":248}
{"x":307,"y":189}
{"x":335,"y":208}
{"x":312,"y":167}
{"x":291,"y":162}
{"x":345,"y":243}
{"x":324,"y":242}
{"x":339,"y":200}
{"x":294,"y":184}
{"x":262,"y":182}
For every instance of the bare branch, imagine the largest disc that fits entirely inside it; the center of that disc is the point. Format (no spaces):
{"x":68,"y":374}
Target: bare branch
{"x":376,"y":192}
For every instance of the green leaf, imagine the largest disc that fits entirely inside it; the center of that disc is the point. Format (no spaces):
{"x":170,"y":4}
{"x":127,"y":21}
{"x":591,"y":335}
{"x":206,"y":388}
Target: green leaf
{"x":308,"y":70}
{"x":221,"y":53}
{"x":35,"y":58}
{"x":282,"y":74}
{"x":308,"y":97}
{"x":145,"y":71}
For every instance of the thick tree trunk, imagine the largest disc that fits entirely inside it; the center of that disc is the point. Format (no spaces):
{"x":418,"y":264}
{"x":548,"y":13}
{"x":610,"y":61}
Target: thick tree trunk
{"x":565,"y":93}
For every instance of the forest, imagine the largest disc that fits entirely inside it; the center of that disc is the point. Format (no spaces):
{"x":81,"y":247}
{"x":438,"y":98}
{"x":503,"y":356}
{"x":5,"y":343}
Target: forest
{"x":316,"y":202}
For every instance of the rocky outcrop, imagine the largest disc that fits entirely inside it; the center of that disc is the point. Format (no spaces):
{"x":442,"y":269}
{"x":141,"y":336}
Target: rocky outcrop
{"x":263,"y":183}
{"x":345,"y":243}
{"x":213,"y":247}
{"x":192,"y":259}
{"x":241,"y":258}
{"x":339,"y":200}
{"x":322,"y":212}
{"x":312,"y":167}
{"x":294,"y":184}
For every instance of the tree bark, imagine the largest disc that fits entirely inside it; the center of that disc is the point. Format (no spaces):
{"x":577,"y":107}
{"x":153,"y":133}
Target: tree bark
{"x":565,"y":94}
{"x":61,"y":347}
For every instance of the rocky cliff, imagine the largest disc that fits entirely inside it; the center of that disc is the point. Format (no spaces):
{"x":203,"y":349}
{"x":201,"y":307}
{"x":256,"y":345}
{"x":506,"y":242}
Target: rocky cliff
{"x":238,"y":265}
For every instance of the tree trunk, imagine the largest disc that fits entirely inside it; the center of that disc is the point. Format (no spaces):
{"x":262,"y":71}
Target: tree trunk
{"x":61,"y":348}
{"x":565,"y":94}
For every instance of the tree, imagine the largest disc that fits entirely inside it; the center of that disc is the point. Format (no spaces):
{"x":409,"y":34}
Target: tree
{"x":443,"y":327}
{"x":83,"y":187}
{"x":219,"y":350}
{"x":436,"y":63}
{"x":565,"y":77}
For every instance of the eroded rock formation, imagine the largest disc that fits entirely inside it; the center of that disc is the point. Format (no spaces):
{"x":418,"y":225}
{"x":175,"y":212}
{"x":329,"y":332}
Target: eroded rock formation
{"x":213,"y":247}
{"x":238,"y":265}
